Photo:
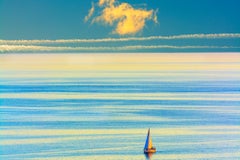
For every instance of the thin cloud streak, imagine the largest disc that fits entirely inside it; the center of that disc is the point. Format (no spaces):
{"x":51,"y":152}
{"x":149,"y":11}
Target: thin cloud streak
{"x":32,"y":48}
{"x":174,"y":37}
{"x":91,"y":11}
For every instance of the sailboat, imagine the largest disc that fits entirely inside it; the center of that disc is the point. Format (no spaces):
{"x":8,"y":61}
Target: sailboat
{"x":148,"y":148}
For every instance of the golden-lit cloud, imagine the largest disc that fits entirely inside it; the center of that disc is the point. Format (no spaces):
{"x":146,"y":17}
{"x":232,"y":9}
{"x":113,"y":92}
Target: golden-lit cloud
{"x":102,"y":2}
{"x":124,"y":17}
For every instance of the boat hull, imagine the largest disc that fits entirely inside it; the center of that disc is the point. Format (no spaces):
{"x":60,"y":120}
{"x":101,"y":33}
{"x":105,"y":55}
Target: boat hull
{"x":152,"y":150}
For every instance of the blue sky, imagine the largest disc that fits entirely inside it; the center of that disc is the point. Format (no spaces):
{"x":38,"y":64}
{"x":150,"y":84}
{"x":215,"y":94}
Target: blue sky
{"x":64,"y":19}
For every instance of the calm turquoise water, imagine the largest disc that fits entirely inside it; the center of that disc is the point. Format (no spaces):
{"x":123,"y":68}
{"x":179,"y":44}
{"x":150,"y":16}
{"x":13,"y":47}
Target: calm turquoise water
{"x":65,"y":114}
{"x":84,"y":119}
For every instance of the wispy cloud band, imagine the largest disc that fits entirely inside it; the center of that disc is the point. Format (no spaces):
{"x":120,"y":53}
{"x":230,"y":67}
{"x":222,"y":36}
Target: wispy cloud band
{"x":183,"y":36}
{"x":34,"y":48}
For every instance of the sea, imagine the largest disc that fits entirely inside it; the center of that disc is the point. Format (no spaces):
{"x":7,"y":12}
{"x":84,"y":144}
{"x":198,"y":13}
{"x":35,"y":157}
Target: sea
{"x":65,"y":106}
